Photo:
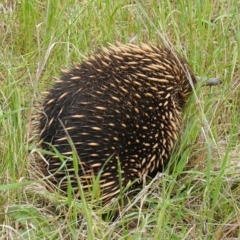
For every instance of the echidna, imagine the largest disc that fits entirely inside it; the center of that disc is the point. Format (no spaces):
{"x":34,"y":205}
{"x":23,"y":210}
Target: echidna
{"x":120,"y":110}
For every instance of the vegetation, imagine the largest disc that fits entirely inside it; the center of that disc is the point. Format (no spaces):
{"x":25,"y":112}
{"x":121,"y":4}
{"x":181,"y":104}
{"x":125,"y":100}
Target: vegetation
{"x":198,"y":196}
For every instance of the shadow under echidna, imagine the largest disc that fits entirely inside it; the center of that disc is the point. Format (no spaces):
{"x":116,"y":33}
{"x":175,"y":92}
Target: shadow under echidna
{"x":120,"y":111}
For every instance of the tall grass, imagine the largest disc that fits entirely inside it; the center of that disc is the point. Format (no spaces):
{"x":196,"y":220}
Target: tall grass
{"x":197,"y":197}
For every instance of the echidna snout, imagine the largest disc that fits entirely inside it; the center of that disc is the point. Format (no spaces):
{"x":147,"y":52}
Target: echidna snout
{"x":124,"y":103}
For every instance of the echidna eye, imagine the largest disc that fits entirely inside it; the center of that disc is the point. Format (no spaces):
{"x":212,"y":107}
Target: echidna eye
{"x":176,"y":93}
{"x":180,"y":97}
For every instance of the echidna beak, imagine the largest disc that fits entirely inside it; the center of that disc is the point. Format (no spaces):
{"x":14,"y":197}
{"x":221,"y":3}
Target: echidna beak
{"x":209,"y":82}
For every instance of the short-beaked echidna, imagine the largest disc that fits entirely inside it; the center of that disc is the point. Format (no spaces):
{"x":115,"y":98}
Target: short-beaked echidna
{"x":120,"y":107}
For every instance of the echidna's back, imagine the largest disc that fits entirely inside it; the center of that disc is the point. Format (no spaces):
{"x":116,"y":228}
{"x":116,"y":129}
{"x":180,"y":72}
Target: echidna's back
{"x":123,"y":103}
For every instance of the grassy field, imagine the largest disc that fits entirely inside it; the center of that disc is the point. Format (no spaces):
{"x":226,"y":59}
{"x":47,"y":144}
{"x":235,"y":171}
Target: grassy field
{"x":199,"y":197}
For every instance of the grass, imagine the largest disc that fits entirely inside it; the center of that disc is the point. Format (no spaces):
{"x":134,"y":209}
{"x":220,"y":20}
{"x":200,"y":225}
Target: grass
{"x":198,"y":197}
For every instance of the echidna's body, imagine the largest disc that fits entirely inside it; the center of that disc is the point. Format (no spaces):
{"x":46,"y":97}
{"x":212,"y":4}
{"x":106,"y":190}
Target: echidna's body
{"x":123,"y":103}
